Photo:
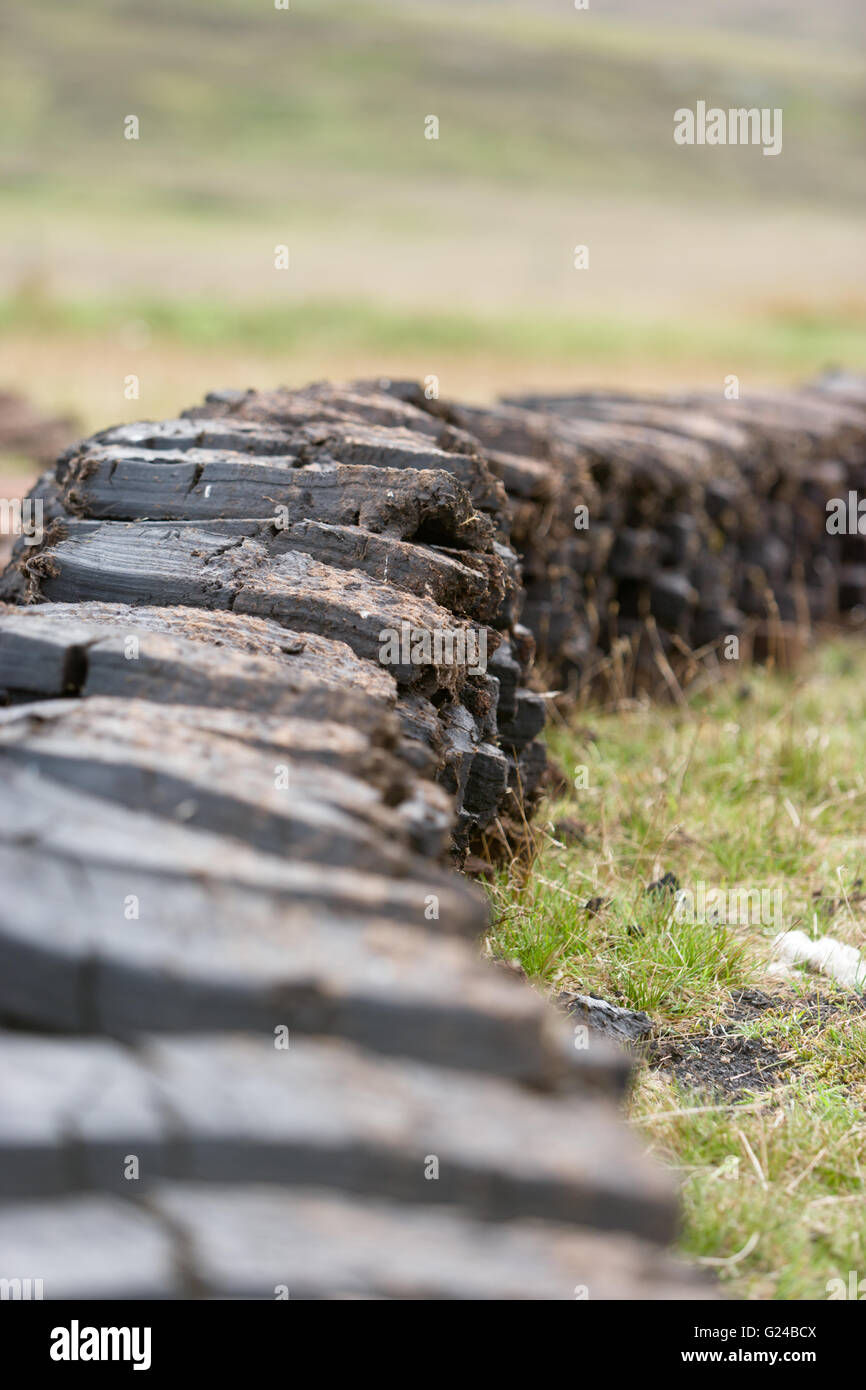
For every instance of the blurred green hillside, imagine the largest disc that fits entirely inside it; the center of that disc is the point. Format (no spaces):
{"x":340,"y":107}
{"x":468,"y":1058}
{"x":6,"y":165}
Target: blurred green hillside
{"x":305,"y":127}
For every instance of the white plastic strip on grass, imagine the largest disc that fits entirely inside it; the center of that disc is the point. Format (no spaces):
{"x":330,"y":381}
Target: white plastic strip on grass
{"x":825,"y":955}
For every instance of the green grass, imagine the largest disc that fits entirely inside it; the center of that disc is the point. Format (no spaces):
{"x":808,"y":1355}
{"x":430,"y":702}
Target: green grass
{"x":523,"y":95}
{"x":797,"y":1208}
{"x":785,"y":341}
{"x":759,"y":782}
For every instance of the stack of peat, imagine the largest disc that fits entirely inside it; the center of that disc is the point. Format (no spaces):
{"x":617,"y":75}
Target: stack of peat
{"x":298,"y":510}
{"x":265,"y":667}
{"x":668,"y":524}
{"x":248,"y":1048}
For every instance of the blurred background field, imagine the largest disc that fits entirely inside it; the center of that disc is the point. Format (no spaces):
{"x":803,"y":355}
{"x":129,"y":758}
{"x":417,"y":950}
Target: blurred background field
{"x":409,"y":256}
